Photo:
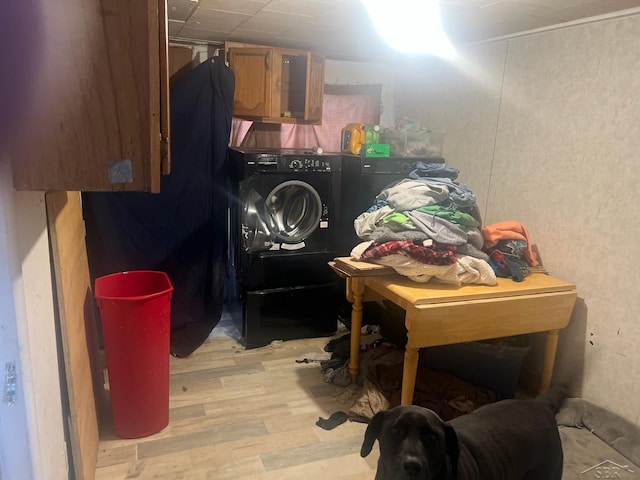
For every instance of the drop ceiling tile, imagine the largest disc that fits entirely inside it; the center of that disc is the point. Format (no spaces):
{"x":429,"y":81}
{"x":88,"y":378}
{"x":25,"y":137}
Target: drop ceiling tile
{"x":324,"y":36}
{"x":504,"y":11}
{"x":300,"y":7}
{"x":216,"y":20}
{"x":311,"y":31}
{"x":455,"y":9}
{"x":347,"y":16}
{"x":333,"y":16}
{"x":332,"y":2}
{"x":250,"y":36}
{"x":198,"y":34}
{"x":174,"y":27}
{"x":273,"y":21}
{"x":180,"y":9}
{"x":284,"y":43}
{"x":238,"y":6}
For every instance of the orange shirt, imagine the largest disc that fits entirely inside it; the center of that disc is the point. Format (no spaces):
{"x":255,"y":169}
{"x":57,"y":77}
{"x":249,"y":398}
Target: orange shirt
{"x":508,"y":230}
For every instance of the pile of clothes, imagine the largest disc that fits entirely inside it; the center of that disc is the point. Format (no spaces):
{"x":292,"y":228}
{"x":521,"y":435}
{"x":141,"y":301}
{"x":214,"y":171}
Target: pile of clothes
{"x":427,"y":226}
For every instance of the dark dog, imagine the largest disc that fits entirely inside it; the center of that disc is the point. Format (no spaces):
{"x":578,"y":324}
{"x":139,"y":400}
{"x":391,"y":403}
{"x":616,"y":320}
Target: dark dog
{"x":507,"y":440}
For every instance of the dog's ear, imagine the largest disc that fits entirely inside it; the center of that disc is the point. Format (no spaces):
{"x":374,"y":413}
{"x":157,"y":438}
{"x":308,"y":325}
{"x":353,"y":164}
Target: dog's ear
{"x":452,"y":448}
{"x":372,"y":433}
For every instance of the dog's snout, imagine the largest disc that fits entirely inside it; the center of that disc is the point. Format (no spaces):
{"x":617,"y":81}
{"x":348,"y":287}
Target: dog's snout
{"x":412,"y":466}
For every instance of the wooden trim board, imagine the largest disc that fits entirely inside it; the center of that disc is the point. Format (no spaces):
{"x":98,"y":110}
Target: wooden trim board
{"x":78,"y":330}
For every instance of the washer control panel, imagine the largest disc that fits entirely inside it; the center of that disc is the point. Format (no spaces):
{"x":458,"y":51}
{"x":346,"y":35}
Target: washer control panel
{"x":275,"y":162}
{"x":303,"y":163}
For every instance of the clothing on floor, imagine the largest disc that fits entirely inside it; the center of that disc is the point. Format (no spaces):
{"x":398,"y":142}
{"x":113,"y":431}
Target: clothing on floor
{"x":446,"y":395}
{"x":336,"y":418}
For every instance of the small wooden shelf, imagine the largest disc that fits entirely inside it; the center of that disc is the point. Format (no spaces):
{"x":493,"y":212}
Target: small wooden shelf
{"x":276,"y":85}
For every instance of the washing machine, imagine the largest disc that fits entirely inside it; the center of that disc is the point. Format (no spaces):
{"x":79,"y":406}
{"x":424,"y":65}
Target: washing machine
{"x":285,"y":216}
{"x":363,"y":178}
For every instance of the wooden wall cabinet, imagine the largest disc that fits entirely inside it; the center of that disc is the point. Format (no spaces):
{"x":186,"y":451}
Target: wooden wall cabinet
{"x":276,"y":85}
{"x":100,"y":106}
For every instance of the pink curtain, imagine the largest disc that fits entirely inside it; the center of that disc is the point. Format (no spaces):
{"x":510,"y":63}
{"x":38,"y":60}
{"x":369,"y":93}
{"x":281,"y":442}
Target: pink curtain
{"x":239,"y":129}
{"x":338,"y":111}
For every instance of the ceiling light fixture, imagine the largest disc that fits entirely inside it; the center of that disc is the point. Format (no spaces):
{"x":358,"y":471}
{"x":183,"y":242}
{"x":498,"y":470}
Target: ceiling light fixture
{"x":410,"y":26}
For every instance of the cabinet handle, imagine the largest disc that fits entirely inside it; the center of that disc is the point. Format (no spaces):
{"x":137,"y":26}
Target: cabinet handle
{"x":267,"y":60}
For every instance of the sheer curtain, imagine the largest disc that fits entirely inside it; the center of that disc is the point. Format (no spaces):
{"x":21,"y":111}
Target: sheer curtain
{"x":239,"y":129}
{"x":342,"y":104}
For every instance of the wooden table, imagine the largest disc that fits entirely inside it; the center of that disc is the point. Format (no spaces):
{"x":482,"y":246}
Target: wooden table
{"x":437,"y":314}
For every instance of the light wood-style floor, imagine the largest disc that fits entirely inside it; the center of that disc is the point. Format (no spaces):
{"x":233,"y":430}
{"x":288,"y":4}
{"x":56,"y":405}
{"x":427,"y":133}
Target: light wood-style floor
{"x":240,"y":414}
{"x":237,"y":414}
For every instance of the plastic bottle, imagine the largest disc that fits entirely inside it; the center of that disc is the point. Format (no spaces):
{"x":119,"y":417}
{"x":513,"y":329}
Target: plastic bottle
{"x":371,"y":133}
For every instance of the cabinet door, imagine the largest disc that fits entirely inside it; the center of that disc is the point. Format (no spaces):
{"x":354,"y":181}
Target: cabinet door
{"x":165,"y":120}
{"x":315,"y":88}
{"x":253,"y":71}
{"x":180,"y":62}
{"x":95,"y":121}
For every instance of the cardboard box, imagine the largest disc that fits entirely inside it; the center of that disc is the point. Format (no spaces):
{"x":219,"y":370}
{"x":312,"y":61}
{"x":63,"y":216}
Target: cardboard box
{"x":375,"y":150}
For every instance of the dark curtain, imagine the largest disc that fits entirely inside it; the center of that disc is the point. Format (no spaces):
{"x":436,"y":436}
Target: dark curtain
{"x":183,"y":229}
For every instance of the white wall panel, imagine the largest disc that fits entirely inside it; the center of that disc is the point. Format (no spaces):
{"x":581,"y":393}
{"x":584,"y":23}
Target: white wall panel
{"x":547,"y":132}
{"x":567,"y":164}
{"x":32,"y":443}
{"x":462,"y":100}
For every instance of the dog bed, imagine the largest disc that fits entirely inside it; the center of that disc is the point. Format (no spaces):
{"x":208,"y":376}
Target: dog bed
{"x":615,"y":431}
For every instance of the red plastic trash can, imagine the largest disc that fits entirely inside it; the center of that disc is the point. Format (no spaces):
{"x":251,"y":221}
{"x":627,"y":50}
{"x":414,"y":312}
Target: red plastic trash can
{"x":135,"y":311}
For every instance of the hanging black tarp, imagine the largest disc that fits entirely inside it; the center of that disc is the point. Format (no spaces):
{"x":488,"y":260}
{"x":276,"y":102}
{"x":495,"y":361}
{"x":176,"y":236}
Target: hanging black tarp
{"x":183,"y":229}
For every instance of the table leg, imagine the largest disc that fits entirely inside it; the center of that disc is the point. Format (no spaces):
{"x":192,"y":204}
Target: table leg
{"x":409,"y":371}
{"x":357,"y":291}
{"x":551,"y":345}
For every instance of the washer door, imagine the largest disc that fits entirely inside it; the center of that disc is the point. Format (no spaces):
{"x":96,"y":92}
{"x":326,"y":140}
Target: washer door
{"x":296,"y":210}
{"x":258,"y":227}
